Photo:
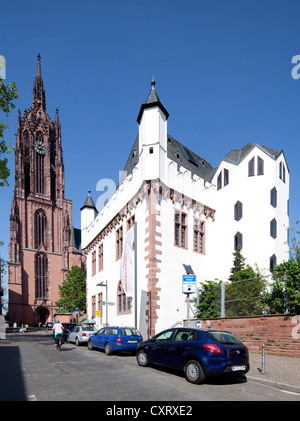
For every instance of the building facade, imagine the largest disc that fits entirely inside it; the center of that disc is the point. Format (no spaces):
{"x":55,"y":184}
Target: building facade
{"x":43,"y":242}
{"x":185,"y":213}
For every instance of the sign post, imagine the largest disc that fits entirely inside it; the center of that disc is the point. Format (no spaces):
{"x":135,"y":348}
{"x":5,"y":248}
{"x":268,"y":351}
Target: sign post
{"x":188,"y":287}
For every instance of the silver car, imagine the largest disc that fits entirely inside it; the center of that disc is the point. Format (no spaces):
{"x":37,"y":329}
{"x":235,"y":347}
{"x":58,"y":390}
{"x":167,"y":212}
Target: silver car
{"x":81,"y":334}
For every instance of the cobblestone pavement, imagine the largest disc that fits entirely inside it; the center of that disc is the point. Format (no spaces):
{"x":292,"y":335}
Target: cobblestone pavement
{"x":280,"y":371}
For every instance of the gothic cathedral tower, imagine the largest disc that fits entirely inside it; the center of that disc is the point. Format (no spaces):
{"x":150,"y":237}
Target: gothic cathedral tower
{"x":42,"y":244}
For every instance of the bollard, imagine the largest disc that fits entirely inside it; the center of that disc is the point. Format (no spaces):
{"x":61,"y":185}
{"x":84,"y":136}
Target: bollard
{"x":263,"y":360}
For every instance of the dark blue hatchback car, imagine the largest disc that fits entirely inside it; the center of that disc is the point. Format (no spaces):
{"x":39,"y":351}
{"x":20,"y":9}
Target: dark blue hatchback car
{"x":115,"y":338}
{"x":197,"y":352}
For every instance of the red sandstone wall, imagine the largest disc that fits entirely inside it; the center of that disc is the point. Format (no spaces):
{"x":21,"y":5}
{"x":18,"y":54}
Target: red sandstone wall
{"x":280,"y":334}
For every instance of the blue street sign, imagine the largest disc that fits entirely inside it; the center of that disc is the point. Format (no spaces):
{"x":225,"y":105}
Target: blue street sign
{"x":189,"y":278}
{"x":188,"y":284}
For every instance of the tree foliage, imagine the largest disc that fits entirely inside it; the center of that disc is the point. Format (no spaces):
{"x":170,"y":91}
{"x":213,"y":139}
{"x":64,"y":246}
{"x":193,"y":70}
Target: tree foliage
{"x":72,"y":291}
{"x":245,"y":293}
{"x":284,"y":295}
{"x":8,"y":93}
{"x":209,"y":300}
{"x":238,"y":262}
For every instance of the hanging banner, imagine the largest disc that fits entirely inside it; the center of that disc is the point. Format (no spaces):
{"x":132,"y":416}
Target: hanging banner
{"x":127,"y":264}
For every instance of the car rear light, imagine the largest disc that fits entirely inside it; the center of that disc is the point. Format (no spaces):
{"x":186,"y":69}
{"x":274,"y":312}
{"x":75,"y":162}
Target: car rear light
{"x":215,"y":349}
{"x":84,"y":334}
{"x":118,"y":339}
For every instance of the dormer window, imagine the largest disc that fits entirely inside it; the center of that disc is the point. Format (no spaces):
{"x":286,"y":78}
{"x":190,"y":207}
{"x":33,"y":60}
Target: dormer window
{"x":219,"y":181}
{"x":260,"y":166}
{"x":251,"y":167}
{"x":226,"y":177}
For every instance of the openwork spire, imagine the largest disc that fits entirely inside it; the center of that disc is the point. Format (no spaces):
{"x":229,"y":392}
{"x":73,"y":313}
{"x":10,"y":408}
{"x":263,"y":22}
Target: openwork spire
{"x":39,"y":73}
{"x":39,"y":97}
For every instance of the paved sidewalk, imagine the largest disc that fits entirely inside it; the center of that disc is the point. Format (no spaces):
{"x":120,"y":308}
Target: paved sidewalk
{"x":281,"y":372}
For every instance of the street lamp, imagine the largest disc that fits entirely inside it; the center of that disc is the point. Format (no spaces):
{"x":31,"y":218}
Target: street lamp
{"x":102,"y":284}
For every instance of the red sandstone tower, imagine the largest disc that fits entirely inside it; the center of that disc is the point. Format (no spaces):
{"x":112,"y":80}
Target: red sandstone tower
{"x":43,"y":243}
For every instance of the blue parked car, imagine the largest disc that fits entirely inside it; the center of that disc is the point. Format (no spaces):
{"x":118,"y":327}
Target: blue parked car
{"x":115,"y":338}
{"x":197,"y":352}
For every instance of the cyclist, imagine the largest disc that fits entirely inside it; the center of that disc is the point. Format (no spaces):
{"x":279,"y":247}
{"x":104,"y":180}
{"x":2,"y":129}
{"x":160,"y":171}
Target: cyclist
{"x":58,"y":330}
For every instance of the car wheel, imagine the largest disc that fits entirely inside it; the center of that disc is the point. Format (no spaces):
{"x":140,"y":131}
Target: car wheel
{"x":90,"y":345}
{"x":107,"y":349}
{"x":193,"y":372}
{"x":77,"y":343}
{"x":142,"y":359}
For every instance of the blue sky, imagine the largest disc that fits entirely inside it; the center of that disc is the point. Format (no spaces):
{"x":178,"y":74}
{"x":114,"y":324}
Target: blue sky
{"x":222,"y":70}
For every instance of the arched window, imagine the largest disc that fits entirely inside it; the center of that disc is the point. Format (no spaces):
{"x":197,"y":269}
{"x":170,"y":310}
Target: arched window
{"x":124,"y":302}
{"x":39,"y":165}
{"x":40,"y":174}
{"x":40,"y":226}
{"x":41,"y":269}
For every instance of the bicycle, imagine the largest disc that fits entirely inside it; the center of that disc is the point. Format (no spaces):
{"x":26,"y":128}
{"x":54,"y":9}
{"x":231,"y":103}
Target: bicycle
{"x":59,"y":342}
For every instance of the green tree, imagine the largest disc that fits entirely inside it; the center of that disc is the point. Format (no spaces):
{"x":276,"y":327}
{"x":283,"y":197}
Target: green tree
{"x":285,"y":290}
{"x":244,"y":295}
{"x":238,"y":262}
{"x":8,"y":93}
{"x":295,"y":246}
{"x":72,"y":291}
{"x":209,"y":300}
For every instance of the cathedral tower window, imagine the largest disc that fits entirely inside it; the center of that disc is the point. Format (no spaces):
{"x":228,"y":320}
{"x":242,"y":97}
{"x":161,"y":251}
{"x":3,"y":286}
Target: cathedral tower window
{"x":39,"y":174}
{"x":40,"y":225}
{"x":41,"y":269}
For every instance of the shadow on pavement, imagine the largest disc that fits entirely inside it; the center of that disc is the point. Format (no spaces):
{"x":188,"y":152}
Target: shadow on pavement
{"x":12,"y":386}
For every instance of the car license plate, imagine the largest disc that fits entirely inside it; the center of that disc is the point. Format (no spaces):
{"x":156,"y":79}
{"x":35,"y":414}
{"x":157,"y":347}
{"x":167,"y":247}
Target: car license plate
{"x":132,"y":342}
{"x":238,"y":367}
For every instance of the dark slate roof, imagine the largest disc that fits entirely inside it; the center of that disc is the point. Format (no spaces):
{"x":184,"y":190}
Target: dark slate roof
{"x":75,"y":238}
{"x":186,"y":158}
{"x":89,"y":203}
{"x":152,"y":101}
{"x":176,"y":151}
{"x":132,"y":160}
{"x":237,"y":155}
{"x":77,"y":233}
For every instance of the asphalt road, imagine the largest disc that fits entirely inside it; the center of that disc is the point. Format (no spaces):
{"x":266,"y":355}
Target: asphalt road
{"x":31,"y":369}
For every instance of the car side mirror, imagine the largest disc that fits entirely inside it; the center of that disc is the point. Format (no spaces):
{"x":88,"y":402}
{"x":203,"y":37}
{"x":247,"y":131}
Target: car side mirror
{"x":151,"y":339}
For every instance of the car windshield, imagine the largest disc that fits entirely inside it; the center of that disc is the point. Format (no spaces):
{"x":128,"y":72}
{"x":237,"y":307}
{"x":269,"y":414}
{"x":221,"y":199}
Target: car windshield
{"x":130,"y":332}
{"x":88,"y":329}
{"x":224,"y":338}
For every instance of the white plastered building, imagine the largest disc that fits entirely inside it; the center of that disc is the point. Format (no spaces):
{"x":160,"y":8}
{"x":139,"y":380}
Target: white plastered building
{"x":186,"y":212}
